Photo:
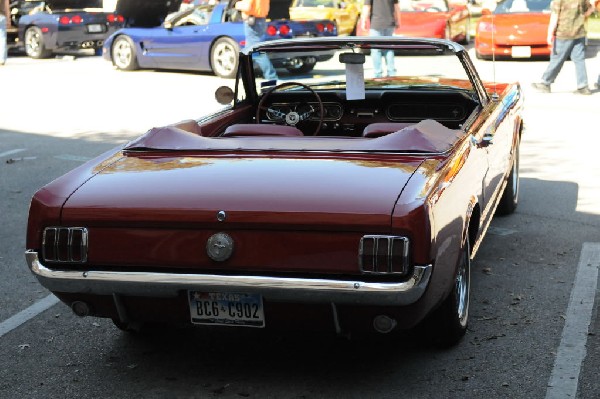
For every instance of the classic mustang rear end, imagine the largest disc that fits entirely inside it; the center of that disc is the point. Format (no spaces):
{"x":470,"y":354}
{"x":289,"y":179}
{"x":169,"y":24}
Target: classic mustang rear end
{"x":347,"y":205}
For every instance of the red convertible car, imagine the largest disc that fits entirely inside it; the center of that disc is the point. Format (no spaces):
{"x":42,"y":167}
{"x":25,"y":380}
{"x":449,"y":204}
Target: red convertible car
{"x":431,"y":18}
{"x":514,"y":29}
{"x":331,"y":201}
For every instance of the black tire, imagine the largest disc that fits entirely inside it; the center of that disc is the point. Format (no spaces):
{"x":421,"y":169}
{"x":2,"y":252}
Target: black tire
{"x":124,"y":54}
{"x":450,"y":321}
{"x":34,"y":43}
{"x":300,"y":66}
{"x":510,"y":197}
{"x":224,"y":57}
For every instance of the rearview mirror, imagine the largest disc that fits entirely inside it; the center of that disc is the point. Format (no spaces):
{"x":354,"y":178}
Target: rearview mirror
{"x":352,"y":58}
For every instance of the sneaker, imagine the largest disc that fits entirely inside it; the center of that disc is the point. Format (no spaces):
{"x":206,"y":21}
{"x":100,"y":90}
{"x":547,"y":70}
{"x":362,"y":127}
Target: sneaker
{"x":584,"y":90}
{"x":543,"y":87}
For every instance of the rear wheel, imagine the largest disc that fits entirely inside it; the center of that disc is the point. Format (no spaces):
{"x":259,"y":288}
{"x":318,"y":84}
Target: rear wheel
{"x":124,"y":56}
{"x":510,"y":196}
{"x":34,"y":43}
{"x":450,"y":320}
{"x":224,"y":57}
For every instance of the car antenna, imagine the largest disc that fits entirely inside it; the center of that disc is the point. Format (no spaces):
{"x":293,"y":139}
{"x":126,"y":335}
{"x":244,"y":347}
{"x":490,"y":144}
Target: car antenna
{"x":495,"y":95}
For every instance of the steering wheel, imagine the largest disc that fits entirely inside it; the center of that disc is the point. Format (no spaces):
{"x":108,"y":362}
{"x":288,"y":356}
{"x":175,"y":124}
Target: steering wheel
{"x":293,"y":117}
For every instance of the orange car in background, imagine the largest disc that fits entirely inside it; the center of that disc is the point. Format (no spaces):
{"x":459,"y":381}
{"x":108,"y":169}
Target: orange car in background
{"x":344,"y":13}
{"x":514,"y":29}
{"x":432,"y":19}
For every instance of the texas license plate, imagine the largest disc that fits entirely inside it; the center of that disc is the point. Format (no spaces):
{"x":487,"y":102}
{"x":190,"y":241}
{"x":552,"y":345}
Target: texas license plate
{"x":225,"y":308}
{"x":521,"y":52}
{"x":95,"y":28}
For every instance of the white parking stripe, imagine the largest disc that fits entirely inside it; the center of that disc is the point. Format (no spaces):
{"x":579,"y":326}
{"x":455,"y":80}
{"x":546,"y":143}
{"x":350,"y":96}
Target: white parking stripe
{"x":572,"y":350}
{"x":5,"y":153}
{"x":25,"y":315}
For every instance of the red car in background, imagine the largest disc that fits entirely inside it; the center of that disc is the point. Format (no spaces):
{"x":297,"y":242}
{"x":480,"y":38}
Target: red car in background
{"x":514,"y":29}
{"x":431,"y":18}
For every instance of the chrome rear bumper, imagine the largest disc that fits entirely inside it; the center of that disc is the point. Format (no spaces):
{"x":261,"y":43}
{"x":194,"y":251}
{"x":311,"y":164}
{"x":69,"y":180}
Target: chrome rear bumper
{"x":285,"y":289}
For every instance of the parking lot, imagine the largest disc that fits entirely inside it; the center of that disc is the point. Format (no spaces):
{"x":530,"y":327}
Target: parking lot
{"x":57,"y":113}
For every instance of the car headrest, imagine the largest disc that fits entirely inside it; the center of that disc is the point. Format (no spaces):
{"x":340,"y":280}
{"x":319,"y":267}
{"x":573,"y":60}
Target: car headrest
{"x":382,"y":128}
{"x":254,"y":129}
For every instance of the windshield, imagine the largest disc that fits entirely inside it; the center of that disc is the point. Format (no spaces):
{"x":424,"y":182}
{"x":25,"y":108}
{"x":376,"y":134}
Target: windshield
{"x":429,"y":69}
{"x":423,"y":5}
{"x":522,"y":6}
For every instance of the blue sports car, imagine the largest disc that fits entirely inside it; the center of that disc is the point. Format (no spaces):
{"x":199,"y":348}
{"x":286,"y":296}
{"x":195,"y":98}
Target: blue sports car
{"x":205,"y":37}
{"x":58,"y":25}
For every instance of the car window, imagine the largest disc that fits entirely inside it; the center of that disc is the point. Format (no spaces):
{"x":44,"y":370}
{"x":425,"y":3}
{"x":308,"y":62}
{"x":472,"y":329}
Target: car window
{"x":313,"y":3}
{"x":522,"y":6}
{"x":199,"y":15}
{"x":423,"y":5}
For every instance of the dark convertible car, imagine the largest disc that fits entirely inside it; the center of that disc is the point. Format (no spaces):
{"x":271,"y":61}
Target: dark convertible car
{"x":59,"y":25}
{"x":332,"y":200}
{"x":205,"y":37}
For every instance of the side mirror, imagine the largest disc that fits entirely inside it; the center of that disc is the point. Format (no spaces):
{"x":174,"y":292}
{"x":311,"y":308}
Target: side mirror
{"x":224,"y":95}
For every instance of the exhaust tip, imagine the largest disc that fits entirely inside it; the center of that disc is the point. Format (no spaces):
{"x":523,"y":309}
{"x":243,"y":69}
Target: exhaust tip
{"x":384,"y":324}
{"x":80,"y":308}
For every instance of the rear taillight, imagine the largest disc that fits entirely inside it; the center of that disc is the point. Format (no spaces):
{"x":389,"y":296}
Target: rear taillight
{"x":115,"y":18}
{"x":70,"y":20}
{"x":271,"y":30}
{"x":380,"y":254}
{"x":284,"y":30}
{"x":65,"y":244}
{"x":320,"y":27}
{"x":330,"y":27}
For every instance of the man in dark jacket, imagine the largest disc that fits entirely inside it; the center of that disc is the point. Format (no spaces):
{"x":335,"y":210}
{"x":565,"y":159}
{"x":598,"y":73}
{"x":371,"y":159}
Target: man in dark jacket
{"x":383,"y":15}
{"x":566,"y":32}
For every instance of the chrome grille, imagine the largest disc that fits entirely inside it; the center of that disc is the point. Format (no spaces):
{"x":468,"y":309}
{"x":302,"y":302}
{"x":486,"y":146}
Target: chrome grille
{"x":65,"y":244}
{"x":381,"y":254}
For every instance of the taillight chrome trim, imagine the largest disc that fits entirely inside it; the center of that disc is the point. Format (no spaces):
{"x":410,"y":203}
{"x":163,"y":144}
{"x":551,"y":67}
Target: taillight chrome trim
{"x":65,"y":244}
{"x":383,"y":255}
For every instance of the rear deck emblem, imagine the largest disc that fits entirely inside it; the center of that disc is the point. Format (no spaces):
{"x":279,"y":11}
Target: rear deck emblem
{"x":219,"y":247}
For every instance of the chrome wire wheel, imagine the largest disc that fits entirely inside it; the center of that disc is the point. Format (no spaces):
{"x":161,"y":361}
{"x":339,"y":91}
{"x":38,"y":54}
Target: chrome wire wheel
{"x":462,"y":288}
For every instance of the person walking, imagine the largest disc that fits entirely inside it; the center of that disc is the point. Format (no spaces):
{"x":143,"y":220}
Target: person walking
{"x":383,"y":17}
{"x":566,"y":34}
{"x":254,"y":13}
{"x":4,"y":18}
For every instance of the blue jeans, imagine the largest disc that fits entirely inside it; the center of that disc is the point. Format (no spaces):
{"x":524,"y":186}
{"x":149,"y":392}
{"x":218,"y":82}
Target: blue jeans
{"x":3,"y":46}
{"x":254,"y":35}
{"x":563,"y":48}
{"x":377,"y":55}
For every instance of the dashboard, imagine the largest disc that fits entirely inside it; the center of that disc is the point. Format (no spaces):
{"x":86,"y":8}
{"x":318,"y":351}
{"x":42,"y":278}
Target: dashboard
{"x":345,"y":117}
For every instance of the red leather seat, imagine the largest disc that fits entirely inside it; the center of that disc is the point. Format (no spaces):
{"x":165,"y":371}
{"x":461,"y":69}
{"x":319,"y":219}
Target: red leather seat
{"x":382,"y":128}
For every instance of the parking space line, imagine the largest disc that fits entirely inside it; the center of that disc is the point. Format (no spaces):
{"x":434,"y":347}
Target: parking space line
{"x":572,"y":350}
{"x":25,"y":315}
{"x":5,"y":153}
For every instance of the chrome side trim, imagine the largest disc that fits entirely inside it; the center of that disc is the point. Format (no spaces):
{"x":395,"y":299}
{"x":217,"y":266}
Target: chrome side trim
{"x":274,"y":288}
